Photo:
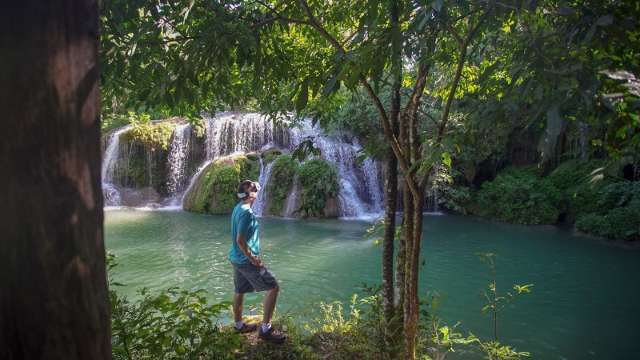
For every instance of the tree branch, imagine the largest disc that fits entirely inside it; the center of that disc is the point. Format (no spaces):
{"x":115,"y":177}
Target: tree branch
{"x":454,"y":85}
{"x":384,"y":118}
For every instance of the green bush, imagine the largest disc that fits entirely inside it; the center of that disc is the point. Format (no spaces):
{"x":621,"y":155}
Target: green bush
{"x":456,"y":199}
{"x":170,"y":325}
{"x":282,"y":175}
{"x":518,"y":195}
{"x":174,"y":324}
{"x":215,"y":190}
{"x":154,"y":135}
{"x":319,"y":182}
{"x":618,"y":214}
{"x":579,"y":186}
{"x":271,"y":154}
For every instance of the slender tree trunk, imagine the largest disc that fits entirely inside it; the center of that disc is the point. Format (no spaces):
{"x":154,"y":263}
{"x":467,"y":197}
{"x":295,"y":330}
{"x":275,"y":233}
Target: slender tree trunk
{"x":407,"y":229}
{"x":411,"y":301}
{"x":391,"y":185}
{"x":391,"y":195}
{"x":53,"y":297}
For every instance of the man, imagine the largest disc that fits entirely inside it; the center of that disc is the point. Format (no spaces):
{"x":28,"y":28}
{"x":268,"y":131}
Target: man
{"x":249,"y":272}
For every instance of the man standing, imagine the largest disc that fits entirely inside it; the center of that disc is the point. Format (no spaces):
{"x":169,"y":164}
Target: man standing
{"x":249,"y":272}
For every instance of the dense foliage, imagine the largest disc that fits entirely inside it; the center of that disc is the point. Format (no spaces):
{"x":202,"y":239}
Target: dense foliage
{"x":282,"y":177}
{"x":174,"y":324}
{"x":617,"y":215}
{"x":519,"y":196}
{"x":319,"y":182}
{"x":153,"y":135}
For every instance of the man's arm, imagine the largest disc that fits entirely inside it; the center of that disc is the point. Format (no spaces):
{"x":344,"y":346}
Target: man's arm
{"x":241,"y":240}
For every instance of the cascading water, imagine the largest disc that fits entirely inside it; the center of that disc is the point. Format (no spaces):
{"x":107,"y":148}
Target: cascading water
{"x":110,"y":192}
{"x":230,"y":133}
{"x":292,"y":200}
{"x":261,"y":202}
{"x":360,"y":193}
{"x":177,"y":161}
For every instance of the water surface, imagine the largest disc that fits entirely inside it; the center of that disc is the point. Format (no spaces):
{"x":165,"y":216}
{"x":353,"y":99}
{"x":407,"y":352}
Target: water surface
{"x":584,"y":303}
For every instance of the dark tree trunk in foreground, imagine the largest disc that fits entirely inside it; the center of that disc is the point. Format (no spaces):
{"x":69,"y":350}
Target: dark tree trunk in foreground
{"x":53,"y":289}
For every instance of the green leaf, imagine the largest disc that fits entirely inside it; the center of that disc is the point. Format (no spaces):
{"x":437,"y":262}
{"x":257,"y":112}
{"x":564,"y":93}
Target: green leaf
{"x":303,"y":96}
{"x":446,"y":159}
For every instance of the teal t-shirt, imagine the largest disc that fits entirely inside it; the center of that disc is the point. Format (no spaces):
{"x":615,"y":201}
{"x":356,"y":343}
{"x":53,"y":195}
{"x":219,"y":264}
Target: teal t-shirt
{"x":243,"y":221}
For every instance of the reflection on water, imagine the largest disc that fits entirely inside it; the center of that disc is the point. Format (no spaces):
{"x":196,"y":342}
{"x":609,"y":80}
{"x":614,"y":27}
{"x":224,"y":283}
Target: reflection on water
{"x":583,"y":305}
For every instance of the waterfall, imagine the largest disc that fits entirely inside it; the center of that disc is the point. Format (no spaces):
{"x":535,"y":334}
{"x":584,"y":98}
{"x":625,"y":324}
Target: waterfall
{"x":360,"y":190}
{"x":194,"y":178}
{"x":371,"y":172}
{"x":177,"y":161}
{"x":261,"y":202}
{"x":231,"y":132}
{"x":110,"y":192}
{"x":292,"y":199}
{"x":360,"y":194}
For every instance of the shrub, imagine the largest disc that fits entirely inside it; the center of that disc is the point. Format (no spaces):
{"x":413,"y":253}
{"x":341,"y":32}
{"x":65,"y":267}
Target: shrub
{"x":154,"y":135}
{"x":579,"y":186}
{"x":282,"y":175}
{"x":271,"y":154}
{"x":174,"y":324}
{"x":170,"y":325}
{"x":519,"y":196}
{"x":457,"y":199}
{"x":319,"y":182}
{"x":618,"y":214}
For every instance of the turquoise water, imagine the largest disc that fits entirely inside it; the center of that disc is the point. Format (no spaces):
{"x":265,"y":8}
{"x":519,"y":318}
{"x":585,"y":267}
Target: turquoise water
{"x":584,"y":303}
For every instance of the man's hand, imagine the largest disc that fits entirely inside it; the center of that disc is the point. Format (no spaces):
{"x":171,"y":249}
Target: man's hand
{"x":256,"y":261}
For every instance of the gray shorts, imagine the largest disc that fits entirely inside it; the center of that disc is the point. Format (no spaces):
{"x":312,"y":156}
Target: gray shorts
{"x":249,"y":278}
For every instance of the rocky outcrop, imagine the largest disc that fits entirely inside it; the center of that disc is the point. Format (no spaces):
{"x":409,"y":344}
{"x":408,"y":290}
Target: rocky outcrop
{"x":214,"y":190}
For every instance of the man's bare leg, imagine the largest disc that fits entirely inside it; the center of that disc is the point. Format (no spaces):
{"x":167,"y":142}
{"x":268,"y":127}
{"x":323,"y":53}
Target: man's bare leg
{"x":237,"y":306}
{"x":269,"y":304}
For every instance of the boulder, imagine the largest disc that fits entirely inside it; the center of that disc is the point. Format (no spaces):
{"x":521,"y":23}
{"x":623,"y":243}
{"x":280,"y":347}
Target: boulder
{"x":214,"y":190}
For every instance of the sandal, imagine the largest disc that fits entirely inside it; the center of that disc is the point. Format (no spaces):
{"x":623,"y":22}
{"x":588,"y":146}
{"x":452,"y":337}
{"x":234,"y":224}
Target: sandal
{"x":272,"y":335}
{"x":246,"y":328}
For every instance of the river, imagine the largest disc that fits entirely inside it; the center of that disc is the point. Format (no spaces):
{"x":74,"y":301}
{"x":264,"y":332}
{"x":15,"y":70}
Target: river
{"x":584,"y":303}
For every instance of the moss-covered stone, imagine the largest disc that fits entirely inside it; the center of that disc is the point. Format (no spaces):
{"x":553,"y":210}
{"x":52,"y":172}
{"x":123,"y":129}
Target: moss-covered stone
{"x":214,"y":191}
{"x":319,"y":182}
{"x":282,"y":176}
{"x":155,"y":135}
{"x":253,"y":156}
{"x":270,"y":154}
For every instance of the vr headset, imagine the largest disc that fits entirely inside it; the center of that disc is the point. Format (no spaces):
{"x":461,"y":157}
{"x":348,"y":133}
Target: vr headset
{"x":254,"y":184}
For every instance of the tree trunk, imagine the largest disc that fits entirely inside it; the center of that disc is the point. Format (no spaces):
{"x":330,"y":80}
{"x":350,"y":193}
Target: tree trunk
{"x":53,"y":302}
{"x":391,"y":195}
{"x":407,"y":229}
{"x":391,"y":185}
{"x":412,"y":259}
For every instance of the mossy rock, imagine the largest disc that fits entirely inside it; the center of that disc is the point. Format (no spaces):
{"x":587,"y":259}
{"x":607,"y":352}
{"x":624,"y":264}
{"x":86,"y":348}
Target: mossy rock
{"x":319,"y":182}
{"x":253,"y":156}
{"x":270,"y":154}
{"x":155,"y":135}
{"x":214,"y":191}
{"x":280,"y":183}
